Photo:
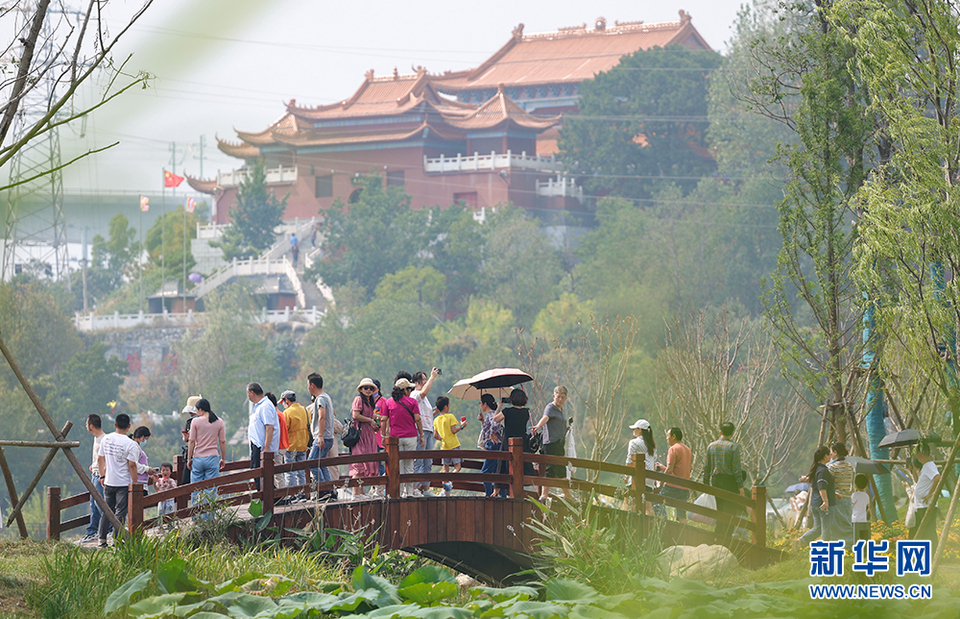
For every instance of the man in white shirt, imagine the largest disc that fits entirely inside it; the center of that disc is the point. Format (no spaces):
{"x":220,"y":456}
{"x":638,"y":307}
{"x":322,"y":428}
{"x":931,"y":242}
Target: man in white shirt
{"x":117,"y":465}
{"x":423,"y":384}
{"x":263,"y":429}
{"x":94,"y":424}
{"x":923,"y":494}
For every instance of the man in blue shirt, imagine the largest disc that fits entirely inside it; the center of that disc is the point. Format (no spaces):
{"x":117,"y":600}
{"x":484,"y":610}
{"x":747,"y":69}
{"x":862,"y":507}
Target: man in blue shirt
{"x":263,"y":428}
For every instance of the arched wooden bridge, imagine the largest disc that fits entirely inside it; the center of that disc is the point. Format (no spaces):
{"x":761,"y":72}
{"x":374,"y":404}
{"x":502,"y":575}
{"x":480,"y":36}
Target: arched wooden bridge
{"x":484,"y":537}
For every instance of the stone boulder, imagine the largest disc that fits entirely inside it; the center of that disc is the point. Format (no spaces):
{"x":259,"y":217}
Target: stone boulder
{"x":467,"y":582}
{"x":703,"y":562}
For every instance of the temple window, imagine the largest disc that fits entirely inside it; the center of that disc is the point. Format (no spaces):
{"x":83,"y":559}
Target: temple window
{"x":323,"y":187}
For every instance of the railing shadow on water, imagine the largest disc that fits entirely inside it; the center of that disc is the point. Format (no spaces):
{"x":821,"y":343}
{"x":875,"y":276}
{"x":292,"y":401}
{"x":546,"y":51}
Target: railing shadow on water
{"x":236,"y":486}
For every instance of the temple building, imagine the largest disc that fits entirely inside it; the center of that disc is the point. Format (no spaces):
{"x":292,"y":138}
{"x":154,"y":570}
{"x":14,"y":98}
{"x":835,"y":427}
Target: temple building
{"x":484,"y":136}
{"x":542,"y":72}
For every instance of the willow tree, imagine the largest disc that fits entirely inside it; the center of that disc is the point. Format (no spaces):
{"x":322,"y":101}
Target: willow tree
{"x":798,"y":75}
{"x":908,"y":58}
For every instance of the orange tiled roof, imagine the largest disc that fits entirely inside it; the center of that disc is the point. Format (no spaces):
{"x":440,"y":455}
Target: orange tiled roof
{"x":381,"y":134}
{"x":379,"y":96}
{"x":497,"y":110}
{"x":201,"y":185}
{"x":570,"y":54}
{"x":287,"y":123}
{"x":241,"y":150}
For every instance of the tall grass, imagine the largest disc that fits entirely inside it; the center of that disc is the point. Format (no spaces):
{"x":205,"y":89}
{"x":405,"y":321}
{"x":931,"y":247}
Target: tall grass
{"x":76,"y":582}
{"x":594,"y":545}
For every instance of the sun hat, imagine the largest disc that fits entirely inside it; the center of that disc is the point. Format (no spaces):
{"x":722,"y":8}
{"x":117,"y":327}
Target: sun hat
{"x":641,"y":424}
{"x":403,"y":383}
{"x":366,"y":382}
{"x":191,"y":406}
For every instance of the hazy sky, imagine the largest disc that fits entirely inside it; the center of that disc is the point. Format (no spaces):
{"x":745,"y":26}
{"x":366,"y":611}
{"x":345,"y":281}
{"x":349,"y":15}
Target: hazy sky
{"x":225,"y":64}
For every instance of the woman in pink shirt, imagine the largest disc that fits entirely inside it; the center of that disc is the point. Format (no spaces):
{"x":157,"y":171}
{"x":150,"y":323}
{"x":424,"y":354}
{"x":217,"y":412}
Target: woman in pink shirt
{"x":207,"y":446}
{"x":400,"y":417}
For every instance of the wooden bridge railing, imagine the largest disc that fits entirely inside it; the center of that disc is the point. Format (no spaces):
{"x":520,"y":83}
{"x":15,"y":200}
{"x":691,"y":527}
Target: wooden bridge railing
{"x":236,"y":486}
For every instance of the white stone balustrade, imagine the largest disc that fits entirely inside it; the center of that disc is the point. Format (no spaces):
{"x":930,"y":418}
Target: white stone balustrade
{"x":560,"y":186}
{"x":93,"y":322}
{"x":493,"y":161}
{"x":278,"y":174}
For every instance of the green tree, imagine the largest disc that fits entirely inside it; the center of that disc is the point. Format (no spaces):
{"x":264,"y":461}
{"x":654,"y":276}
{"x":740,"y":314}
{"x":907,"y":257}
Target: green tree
{"x":118,"y":253}
{"x":642,"y":124}
{"x":165,"y":241}
{"x":376,"y":339}
{"x":254,"y":217}
{"x":111,"y":261}
{"x":89,"y":381}
{"x":228,"y":351}
{"x":371,"y":237}
{"x":801,"y":79}
{"x":909,"y":248}
{"x":457,"y":250}
{"x":521,"y":269}
{"x":37,"y":329}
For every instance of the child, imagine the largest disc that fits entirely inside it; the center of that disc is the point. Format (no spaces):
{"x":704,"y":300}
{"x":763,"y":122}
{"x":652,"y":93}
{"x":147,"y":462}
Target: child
{"x":445,"y":427}
{"x":858,"y":502}
{"x":166,"y":482}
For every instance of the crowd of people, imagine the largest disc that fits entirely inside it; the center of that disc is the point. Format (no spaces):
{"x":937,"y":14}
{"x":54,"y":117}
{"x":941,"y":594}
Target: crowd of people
{"x":292,"y":433}
{"x":838,"y":499}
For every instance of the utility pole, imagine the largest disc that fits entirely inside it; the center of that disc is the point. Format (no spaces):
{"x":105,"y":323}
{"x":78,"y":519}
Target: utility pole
{"x":83,"y":265}
{"x":201,"y":156}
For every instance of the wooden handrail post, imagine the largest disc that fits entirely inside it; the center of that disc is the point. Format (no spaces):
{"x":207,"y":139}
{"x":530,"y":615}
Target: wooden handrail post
{"x":134,"y":507}
{"x":760,"y":515}
{"x":516,"y":467}
{"x":639,"y":482}
{"x":179,"y":463}
{"x":392,"y":446}
{"x":181,"y":502}
{"x":53,"y":513}
{"x":639,"y":487}
{"x":267,"y":464}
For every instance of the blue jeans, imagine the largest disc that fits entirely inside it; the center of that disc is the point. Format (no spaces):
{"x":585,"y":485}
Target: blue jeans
{"x":492,"y":467}
{"x":424,"y":465}
{"x":318,"y":451}
{"x":822,"y":526}
{"x":203,"y":468}
{"x":296,"y":478}
{"x":95,"y":513}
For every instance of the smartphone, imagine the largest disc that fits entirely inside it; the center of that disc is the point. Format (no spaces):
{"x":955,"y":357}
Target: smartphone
{"x":463,"y":420}
{"x":505,"y":400}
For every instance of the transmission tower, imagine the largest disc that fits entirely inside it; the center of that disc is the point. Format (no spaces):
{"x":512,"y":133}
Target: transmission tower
{"x":35,"y":230}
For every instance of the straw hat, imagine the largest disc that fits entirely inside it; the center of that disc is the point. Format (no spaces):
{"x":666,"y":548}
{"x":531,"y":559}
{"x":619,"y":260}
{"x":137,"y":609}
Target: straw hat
{"x":191,"y":406}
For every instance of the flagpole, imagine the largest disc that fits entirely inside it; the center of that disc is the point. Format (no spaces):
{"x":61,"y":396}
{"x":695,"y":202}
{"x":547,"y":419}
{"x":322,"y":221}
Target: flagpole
{"x":163,"y":240}
{"x":184,"y":258}
{"x":141,"y":258}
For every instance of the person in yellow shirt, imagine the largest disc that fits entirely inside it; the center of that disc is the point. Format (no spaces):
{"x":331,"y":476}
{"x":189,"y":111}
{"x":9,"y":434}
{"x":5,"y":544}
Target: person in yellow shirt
{"x":445,"y":428}
{"x":298,"y":436}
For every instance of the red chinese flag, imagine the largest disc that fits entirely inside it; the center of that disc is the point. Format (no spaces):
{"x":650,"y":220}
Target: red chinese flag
{"x":171,"y":180}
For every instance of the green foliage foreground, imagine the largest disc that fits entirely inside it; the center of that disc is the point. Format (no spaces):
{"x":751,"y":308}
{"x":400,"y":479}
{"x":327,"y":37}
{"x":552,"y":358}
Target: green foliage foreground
{"x":430,"y":592}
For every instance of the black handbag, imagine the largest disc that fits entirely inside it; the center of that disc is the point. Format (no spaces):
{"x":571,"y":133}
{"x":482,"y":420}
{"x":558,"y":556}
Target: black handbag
{"x":533,"y":443}
{"x":351,"y":434}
